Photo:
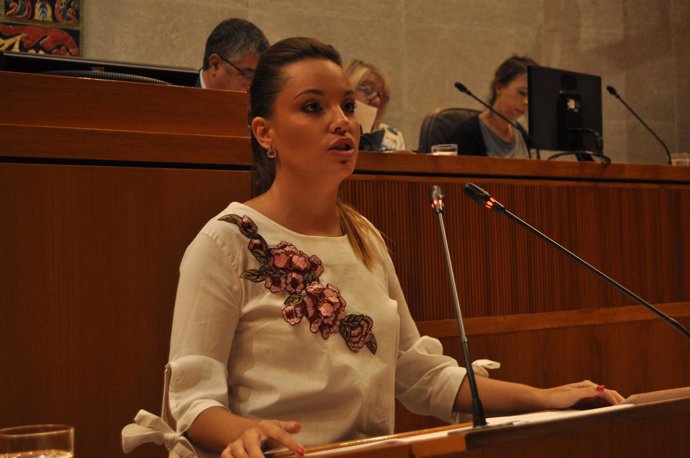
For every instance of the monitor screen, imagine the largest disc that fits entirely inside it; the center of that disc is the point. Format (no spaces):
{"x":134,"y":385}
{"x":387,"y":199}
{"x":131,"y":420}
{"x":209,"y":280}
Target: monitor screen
{"x":565,"y":110}
{"x":75,"y":66}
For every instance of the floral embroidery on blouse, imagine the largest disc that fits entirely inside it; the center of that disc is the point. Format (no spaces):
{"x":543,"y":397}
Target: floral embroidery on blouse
{"x":285,"y":269}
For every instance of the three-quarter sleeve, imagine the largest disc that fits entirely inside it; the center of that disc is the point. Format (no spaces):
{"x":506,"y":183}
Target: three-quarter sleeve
{"x":207,"y":310}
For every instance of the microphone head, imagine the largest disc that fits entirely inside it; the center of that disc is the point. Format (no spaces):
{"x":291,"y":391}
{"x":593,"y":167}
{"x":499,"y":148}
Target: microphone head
{"x":476,"y":193}
{"x":482,"y":197}
{"x":461,"y":87}
{"x":612,"y":90}
{"x":436,"y":198}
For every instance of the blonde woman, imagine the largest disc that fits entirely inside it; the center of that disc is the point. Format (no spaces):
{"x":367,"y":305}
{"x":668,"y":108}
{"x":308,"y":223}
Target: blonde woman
{"x":372,"y":87}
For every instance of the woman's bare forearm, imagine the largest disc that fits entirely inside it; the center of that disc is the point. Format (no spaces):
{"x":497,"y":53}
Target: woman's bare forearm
{"x":499,"y":397}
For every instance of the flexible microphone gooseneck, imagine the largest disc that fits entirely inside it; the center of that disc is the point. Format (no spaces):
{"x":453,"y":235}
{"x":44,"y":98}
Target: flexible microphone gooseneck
{"x":483,"y":198}
{"x":613,"y":92}
{"x":478,"y":419}
{"x":462,"y":88}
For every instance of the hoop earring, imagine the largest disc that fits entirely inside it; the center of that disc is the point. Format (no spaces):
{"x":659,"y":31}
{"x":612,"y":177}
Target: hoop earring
{"x":271,"y":153}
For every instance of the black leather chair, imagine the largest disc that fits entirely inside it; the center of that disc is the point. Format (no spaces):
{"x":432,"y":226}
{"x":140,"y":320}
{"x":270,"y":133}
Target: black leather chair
{"x":438,"y":126}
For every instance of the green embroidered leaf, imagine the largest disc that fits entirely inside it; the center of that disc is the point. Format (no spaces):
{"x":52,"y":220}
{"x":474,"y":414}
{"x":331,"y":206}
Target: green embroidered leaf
{"x":372,"y":345}
{"x":270,"y":271}
{"x":344,"y":329}
{"x":234,"y":219}
{"x":293,"y":299}
{"x":261,"y":256}
{"x":353,"y":320}
{"x":253,"y":275}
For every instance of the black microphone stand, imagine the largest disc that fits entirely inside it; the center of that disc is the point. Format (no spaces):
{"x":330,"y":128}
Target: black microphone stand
{"x":611,"y":90}
{"x":484,"y":198}
{"x":478,"y":418}
{"x":462,"y":88}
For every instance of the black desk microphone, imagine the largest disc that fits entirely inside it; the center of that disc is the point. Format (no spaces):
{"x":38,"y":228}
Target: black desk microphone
{"x":613,"y":92}
{"x":478,"y":419}
{"x":484,"y":198}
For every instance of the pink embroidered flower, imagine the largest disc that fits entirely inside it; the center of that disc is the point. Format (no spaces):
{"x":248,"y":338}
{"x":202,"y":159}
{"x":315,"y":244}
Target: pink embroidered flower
{"x":247,"y":226}
{"x":293,"y":314}
{"x":257,"y":244}
{"x":361,"y":334}
{"x":285,"y":256}
{"x":324,"y":308}
{"x":294,"y":282}
{"x":315,"y":266}
{"x":275,"y":284}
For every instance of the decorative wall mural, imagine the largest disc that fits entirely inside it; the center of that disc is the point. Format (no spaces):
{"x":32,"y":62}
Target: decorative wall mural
{"x":41,"y":26}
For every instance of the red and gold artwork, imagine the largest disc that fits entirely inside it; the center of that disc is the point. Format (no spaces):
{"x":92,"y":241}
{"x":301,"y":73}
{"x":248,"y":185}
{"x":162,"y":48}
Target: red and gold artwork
{"x":41,"y":26}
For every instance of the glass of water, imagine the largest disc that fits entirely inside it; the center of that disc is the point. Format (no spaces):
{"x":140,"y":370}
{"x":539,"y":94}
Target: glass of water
{"x":37,"y":441}
{"x":444,"y":149}
{"x":680,"y":159}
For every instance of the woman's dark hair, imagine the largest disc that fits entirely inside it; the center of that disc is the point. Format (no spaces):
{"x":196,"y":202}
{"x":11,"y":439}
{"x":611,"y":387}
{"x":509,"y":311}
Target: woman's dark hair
{"x":267,"y":83}
{"x":510,"y":69}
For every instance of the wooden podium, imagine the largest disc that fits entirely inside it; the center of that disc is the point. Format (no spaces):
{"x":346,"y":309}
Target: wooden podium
{"x":103,"y":185}
{"x":655,"y":428}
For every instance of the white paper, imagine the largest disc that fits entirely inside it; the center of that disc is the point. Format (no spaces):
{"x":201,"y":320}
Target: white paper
{"x":366,"y":115}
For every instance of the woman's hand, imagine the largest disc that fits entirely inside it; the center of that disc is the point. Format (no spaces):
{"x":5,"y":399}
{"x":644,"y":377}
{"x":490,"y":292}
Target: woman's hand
{"x":581,"y":395}
{"x":266,"y":433}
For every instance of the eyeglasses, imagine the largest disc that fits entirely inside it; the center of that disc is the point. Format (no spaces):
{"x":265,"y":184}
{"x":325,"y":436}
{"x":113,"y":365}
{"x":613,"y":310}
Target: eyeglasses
{"x":246,"y":73}
{"x":370,"y":94}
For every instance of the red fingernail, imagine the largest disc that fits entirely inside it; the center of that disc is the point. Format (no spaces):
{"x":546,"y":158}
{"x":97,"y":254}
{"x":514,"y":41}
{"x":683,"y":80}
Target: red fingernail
{"x":601,"y":388}
{"x":300,"y":451}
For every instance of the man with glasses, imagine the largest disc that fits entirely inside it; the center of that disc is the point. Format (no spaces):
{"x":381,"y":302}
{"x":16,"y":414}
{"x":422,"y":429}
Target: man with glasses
{"x":232,"y":51}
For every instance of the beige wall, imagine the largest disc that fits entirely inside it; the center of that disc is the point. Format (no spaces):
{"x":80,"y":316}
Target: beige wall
{"x":642,"y":47}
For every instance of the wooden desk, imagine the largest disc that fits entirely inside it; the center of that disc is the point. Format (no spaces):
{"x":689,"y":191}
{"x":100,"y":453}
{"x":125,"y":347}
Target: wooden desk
{"x":657,"y":429}
{"x":103,"y":185}
{"x":651,"y":429}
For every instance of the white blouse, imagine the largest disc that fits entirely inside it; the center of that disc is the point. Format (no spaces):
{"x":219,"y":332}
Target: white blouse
{"x":272,"y":324}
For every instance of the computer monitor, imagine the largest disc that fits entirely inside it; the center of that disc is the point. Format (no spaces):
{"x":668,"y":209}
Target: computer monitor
{"x":565,"y":111}
{"x":102,"y":69}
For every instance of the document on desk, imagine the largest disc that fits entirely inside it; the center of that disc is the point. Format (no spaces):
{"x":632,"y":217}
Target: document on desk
{"x":635,"y":399}
{"x":551,"y":415}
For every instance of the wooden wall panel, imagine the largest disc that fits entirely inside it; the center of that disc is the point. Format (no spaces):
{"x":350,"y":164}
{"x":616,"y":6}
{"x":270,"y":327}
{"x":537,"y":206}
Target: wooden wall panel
{"x":89,"y":273}
{"x":634,"y":233}
{"x":41,"y":100}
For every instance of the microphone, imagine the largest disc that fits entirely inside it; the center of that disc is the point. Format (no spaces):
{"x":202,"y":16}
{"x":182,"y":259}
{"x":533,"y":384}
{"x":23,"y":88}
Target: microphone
{"x":437,"y":204}
{"x":613,"y":92}
{"x":462,"y":88}
{"x":484,"y":198}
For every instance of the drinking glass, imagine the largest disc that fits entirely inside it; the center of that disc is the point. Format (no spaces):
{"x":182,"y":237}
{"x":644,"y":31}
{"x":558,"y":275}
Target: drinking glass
{"x":680,"y":159}
{"x":445,"y":149}
{"x":37,"y":441}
